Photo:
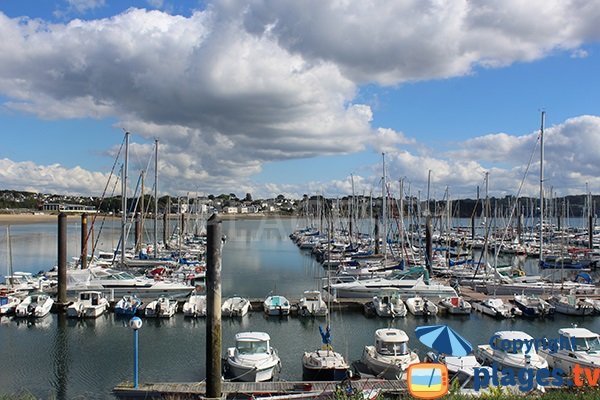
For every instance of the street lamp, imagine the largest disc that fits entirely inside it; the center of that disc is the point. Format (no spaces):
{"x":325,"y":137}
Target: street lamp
{"x":135,"y":323}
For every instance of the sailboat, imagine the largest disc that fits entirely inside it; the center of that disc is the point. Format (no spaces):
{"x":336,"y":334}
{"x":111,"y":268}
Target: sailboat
{"x":325,"y":364}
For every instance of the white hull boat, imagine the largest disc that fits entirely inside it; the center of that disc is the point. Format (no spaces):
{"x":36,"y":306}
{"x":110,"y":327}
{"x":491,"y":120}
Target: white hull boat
{"x":235,"y":307}
{"x":8,"y":304}
{"x":406,"y":288}
{"x":276,"y":305}
{"x":312,"y":305}
{"x":456,"y":305}
{"x":495,"y":307}
{"x":252,"y":359}
{"x":517,"y":356}
{"x":35,"y":305}
{"x":163,"y":307}
{"x":90,"y":304}
{"x":419,"y":306}
{"x":389,"y":306}
{"x":195,"y":306}
{"x":390,"y":357}
{"x":577,"y":346}
{"x":570,"y":305}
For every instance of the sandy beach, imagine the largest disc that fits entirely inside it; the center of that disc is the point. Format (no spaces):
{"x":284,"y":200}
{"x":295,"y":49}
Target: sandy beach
{"x":36,"y":218}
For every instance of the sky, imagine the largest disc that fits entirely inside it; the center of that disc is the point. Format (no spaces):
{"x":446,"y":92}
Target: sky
{"x":274,"y":97}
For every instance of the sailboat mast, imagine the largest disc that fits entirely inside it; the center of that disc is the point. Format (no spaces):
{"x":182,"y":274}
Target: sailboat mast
{"x":384,"y":208}
{"x":542,"y":186}
{"x":124,"y":199}
{"x":155,"y":198}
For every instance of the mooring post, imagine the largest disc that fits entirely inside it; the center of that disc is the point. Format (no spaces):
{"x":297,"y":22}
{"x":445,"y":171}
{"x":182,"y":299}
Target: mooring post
{"x":213,"y":309}
{"x":428,"y":244}
{"x":62,"y":261}
{"x":376,"y":233}
{"x":165,"y":228}
{"x":138,"y":232}
{"x":84,"y":241}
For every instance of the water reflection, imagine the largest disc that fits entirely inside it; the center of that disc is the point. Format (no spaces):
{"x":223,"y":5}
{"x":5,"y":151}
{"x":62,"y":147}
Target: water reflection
{"x":61,"y":357}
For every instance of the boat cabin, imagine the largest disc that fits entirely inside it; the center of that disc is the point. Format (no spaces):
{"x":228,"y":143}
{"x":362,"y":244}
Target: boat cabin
{"x":580,"y":339}
{"x":391,"y":342}
{"x":247,"y":343}
{"x":90,"y":297}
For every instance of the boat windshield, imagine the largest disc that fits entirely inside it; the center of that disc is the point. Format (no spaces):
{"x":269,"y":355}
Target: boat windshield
{"x":586,"y":344}
{"x":393,"y":348}
{"x":252,"y":347}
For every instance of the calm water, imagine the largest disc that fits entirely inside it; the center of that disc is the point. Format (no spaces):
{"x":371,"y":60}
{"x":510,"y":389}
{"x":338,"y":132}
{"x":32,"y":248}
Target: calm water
{"x":86,"y":359}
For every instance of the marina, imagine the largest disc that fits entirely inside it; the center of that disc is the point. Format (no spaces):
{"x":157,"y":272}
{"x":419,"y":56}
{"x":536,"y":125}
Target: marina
{"x":172,"y":349}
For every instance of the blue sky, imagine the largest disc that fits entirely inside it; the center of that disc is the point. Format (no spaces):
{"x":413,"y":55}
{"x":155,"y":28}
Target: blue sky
{"x":274,"y":97}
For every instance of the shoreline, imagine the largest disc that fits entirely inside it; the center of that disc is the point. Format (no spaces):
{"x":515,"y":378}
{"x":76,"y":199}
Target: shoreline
{"x":36,"y":218}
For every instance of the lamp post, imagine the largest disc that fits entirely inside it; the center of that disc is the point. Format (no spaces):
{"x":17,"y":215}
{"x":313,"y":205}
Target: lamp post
{"x":135,"y":323}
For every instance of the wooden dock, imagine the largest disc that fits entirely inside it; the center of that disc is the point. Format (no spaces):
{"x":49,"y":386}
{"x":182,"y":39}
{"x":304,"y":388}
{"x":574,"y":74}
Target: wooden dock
{"x":256,"y":390}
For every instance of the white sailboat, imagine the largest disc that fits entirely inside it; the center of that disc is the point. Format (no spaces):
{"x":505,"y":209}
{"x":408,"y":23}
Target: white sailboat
{"x":325,"y":364}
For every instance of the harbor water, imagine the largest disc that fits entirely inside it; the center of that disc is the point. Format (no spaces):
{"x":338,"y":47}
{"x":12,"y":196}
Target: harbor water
{"x":70,"y":359}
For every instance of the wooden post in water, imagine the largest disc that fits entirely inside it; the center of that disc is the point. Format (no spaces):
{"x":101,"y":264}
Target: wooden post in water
{"x":84,"y":241}
{"x":165,"y":228}
{"x":428,"y":244}
{"x":213,"y":307}
{"x":138,"y":232}
{"x":62,"y":260}
{"x":376,"y":234}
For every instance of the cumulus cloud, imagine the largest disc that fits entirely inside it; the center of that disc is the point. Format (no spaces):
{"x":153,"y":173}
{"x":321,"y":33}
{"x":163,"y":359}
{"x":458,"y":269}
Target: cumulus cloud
{"x":240,"y":83}
{"x":29,"y":176}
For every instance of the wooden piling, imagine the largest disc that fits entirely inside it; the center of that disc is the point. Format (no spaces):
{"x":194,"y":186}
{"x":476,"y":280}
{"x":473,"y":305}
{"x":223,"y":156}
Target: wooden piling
{"x":84,"y":241}
{"x":62,"y":260}
{"x":428,"y":244}
{"x":213,"y":299}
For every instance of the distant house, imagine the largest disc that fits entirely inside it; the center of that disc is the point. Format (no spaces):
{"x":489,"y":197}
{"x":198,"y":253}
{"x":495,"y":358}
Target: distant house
{"x":243,"y":210}
{"x":68,"y":208}
{"x":230,"y":210}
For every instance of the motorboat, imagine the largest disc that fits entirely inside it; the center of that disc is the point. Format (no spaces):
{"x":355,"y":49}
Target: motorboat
{"x":35,"y":305}
{"x":8,"y":304}
{"x":163,"y":307}
{"x":570,"y":305}
{"x":195,"y":306}
{"x":495,"y":307}
{"x":312,"y":305}
{"x":576,"y":346}
{"x":390,"y":356}
{"x":406,"y":288}
{"x":121,"y":283}
{"x":89,"y":304}
{"x":533,"y":306}
{"x":420,"y":306}
{"x":456,"y":305}
{"x":389,"y":305}
{"x":516,"y":355}
{"x":276,"y":305}
{"x":235,"y":306}
{"x":128,"y":305}
{"x":252,"y":359}
{"x":324,"y":365}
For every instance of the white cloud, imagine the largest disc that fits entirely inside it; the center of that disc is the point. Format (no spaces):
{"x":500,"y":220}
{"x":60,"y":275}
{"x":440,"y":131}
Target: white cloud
{"x":244,"y":82}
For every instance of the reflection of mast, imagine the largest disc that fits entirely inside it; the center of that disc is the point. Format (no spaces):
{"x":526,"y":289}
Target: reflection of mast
{"x":542,"y":187}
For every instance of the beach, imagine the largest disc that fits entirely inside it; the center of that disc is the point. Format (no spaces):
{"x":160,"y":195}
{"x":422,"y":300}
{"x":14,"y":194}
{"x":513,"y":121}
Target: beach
{"x":36,"y":218}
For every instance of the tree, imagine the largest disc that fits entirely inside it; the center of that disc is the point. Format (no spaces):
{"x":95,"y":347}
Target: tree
{"x":248,"y":197}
